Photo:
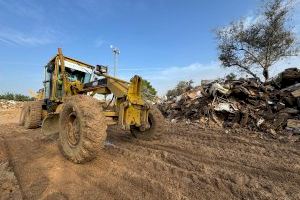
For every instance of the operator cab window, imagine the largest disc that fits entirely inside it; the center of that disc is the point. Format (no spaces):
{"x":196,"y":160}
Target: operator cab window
{"x":75,"y":75}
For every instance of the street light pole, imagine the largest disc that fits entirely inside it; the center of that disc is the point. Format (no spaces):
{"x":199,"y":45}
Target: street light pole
{"x":116,"y":52}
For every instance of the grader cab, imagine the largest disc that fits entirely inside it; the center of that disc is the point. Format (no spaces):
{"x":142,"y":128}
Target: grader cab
{"x":67,"y":107}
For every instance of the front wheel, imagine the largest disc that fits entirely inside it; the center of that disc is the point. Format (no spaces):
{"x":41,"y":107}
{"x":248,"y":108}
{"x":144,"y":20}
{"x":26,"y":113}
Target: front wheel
{"x":157,"y":125}
{"x":82,"y":129}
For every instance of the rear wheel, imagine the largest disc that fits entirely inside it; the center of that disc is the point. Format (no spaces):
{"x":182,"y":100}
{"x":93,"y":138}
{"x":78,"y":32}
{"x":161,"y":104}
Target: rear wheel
{"x":157,"y":125}
{"x":31,"y":115}
{"x":82,"y":129}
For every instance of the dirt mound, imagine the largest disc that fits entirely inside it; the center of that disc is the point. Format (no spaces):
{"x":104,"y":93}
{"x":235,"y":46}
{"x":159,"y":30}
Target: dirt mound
{"x":9,"y":187}
{"x":10,"y":104}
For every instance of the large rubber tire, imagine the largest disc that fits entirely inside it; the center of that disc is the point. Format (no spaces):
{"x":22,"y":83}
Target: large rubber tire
{"x":157,"y":125}
{"x":32,"y":114}
{"x":82,"y":129}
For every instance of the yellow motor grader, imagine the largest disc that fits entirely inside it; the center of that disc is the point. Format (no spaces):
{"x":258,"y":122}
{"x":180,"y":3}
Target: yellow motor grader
{"x":66,"y":106}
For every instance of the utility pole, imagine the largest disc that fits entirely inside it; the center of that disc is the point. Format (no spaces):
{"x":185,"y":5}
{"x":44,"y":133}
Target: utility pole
{"x":116,"y":52}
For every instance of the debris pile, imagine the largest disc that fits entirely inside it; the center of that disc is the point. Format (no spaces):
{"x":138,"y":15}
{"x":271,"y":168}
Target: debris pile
{"x":272,"y":107}
{"x":9,"y":104}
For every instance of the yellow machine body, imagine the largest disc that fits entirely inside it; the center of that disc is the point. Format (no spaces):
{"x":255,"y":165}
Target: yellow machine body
{"x":128,"y":109}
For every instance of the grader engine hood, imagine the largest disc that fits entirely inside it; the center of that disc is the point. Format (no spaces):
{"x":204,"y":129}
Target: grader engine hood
{"x":70,"y":108}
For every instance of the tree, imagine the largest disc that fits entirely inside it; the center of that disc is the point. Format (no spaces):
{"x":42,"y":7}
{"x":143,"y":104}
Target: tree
{"x":261,"y":44}
{"x":16,"y":97}
{"x":180,"y":88}
{"x":147,"y":90}
{"x":231,"y":77}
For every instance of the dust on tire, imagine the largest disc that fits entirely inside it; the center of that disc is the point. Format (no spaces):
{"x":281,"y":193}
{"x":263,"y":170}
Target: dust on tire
{"x":91,"y":127}
{"x":157,"y":125}
{"x":32,"y":114}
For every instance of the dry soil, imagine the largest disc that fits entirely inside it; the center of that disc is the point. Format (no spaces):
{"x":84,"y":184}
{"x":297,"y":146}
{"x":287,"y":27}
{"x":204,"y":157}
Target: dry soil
{"x":186,"y":162}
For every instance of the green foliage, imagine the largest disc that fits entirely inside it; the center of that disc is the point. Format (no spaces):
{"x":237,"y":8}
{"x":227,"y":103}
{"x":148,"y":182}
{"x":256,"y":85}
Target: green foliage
{"x":7,"y":96}
{"x":148,"y":91}
{"x":15,"y":97}
{"x":260,"y":44}
{"x":231,"y":77}
{"x":180,"y":88}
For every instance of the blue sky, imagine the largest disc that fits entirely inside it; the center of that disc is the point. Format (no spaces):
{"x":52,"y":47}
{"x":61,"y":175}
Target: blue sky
{"x":164,"y":41}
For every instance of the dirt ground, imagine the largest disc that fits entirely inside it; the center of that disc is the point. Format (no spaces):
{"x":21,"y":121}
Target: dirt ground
{"x":184,"y":163}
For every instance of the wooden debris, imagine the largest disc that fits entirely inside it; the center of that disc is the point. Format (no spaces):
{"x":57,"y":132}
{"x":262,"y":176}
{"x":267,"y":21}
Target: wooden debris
{"x":244,"y":103}
{"x":293,"y":123}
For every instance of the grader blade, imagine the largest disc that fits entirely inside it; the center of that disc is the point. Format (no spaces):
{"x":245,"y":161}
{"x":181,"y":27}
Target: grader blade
{"x":50,"y":124}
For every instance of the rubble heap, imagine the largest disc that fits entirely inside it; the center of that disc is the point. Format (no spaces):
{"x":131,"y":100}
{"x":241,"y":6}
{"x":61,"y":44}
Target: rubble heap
{"x":271,"y":107}
{"x":9,"y":104}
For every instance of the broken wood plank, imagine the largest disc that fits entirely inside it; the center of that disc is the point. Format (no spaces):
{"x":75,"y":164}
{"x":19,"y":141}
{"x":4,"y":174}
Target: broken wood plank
{"x":293,"y":123}
{"x":296,"y":93}
{"x":291,"y":88}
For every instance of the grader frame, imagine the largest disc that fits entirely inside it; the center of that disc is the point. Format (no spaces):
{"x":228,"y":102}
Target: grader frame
{"x":130,"y":109}
{"x":66,"y":106}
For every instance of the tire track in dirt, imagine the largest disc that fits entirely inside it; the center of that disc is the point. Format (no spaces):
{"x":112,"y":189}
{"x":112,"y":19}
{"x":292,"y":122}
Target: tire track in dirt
{"x":148,"y":168}
{"x":273,"y":173}
{"x":159,"y":162}
{"x":231,"y":145}
{"x":9,"y":183}
{"x":183,"y":163}
{"x":221,"y":162}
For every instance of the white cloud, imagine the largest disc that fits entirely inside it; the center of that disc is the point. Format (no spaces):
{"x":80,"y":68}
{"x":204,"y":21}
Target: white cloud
{"x":99,"y":42}
{"x":15,"y":37}
{"x":253,"y":17}
{"x":297,"y":17}
{"x":250,"y":20}
{"x":285,"y":63}
{"x":32,"y":14}
{"x":23,"y":8}
{"x":167,"y":78}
